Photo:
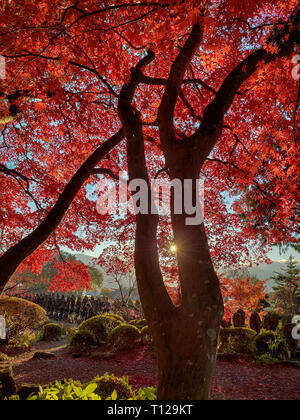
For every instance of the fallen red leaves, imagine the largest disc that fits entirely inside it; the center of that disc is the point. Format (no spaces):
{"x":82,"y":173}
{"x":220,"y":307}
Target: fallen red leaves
{"x":232,"y":381}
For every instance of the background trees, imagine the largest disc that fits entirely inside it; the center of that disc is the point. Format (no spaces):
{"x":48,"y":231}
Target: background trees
{"x":286,"y":298}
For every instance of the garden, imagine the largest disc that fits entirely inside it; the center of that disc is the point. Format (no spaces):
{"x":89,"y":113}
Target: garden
{"x":109,"y":358}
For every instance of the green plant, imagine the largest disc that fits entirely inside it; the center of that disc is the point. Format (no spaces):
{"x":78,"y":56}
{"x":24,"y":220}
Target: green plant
{"x":149,"y":393}
{"x":266,"y":359}
{"x":237,"y":340}
{"x":107,"y":384}
{"x":70,"y":332}
{"x":270,"y":342}
{"x":67,"y":390}
{"x":96,"y":326}
{"x":106,"y":387}
{"x":83,"y":340}
{"x":51,"y":332}
{"x":124,"y":337}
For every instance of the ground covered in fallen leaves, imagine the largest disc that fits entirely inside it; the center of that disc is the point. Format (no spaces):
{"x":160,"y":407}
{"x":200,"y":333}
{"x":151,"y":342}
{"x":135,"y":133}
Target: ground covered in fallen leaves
{"x":232,"y":381}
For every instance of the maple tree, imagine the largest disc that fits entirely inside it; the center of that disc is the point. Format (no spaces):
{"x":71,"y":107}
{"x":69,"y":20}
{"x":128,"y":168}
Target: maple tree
{"x":194,"y":87}
{"x":242,"y":293}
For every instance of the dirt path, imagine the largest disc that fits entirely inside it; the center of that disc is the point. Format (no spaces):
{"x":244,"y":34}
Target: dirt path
{"x":234,"y":381}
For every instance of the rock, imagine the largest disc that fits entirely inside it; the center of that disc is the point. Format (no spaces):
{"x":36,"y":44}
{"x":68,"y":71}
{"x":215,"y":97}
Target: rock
{"x":102,"y":356}
{"x":43,"y":355}
{"x":76,"y":355}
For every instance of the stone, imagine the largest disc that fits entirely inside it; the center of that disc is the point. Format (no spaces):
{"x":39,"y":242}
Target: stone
{"x":103,"y":356}
{"x":43,"y":355}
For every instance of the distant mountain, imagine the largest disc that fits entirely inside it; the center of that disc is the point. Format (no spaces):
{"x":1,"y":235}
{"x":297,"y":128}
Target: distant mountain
{"x":267,"y":271}
{"x":262,"y":271}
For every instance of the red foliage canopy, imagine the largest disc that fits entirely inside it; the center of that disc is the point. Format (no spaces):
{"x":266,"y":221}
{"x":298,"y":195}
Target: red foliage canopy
{"x":66,"y":62}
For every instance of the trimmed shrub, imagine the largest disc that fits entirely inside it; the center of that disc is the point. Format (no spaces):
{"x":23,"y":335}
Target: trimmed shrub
{"x":96,"y":326}
{"x":71,"y":332}
{"x":270,"y":342}
{"x":22,"y":312}
{"x":124,"y":337}
{"x":51,"y":332}
{"x":107,"y":384}
{"x":146,"y":337}
{"x":266,"y":360}
{"x":116,"y":316}
{"x":83,"y":340}
{"x":237,"y":340}
{"x":139,"y":323}
{"x":110,"y":322}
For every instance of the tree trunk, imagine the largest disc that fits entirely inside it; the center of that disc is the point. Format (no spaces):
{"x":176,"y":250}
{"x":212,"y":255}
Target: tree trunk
{"x":186,"y":374}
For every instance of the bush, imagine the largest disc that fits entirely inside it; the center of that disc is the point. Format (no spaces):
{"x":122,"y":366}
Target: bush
{"x":124,"y":337}
{"x":139,"y":323}
{"x":107,"y":384}
{"x":21,"y":317}
{"x":146,"y":337}
{"x":270,"y":342}
{"x":266,"y":360}
{"x":71,"y":332}
{"x":96,"y":326}
{"x":107,"y":387}
{"x":110,"y":322}
{"x":66,"y":390}
{"x":51,"y":332}
{"x":116,"y":316}
{"x":237,"y":340}
{"x":83,"y":340}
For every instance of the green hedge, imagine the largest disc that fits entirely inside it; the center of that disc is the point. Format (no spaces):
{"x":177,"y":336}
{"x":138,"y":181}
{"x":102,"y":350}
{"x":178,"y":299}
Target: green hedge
{"x":51,"y":332}
{"x":271,"y":343}
{"x":83,"y":340}
{"x":124,"y":337}
{"x":237,"y":340}
{"x":96,"y":326}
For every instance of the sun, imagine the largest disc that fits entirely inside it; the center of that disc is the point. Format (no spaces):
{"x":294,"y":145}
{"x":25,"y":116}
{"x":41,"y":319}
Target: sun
{"x":173,"y":248}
